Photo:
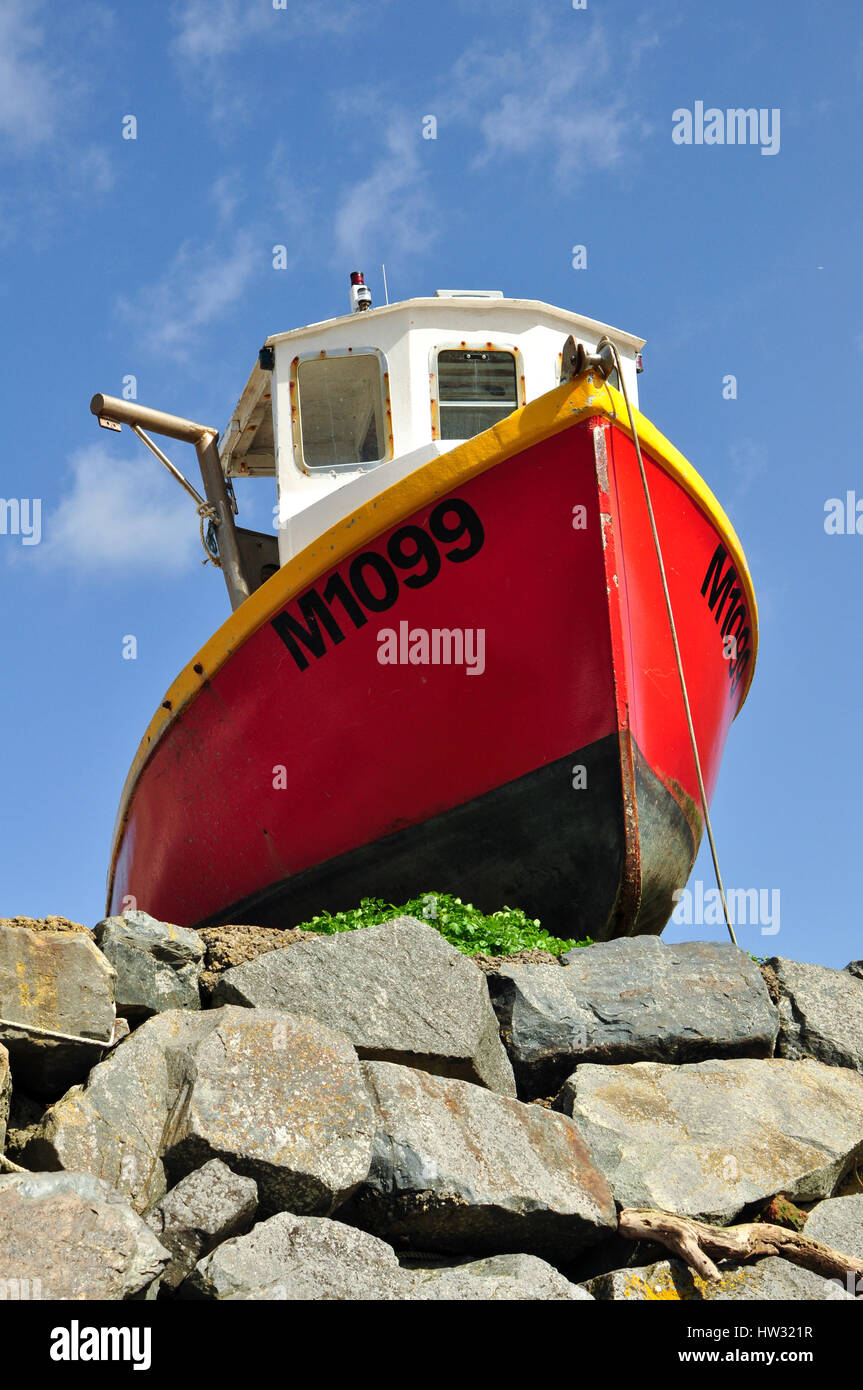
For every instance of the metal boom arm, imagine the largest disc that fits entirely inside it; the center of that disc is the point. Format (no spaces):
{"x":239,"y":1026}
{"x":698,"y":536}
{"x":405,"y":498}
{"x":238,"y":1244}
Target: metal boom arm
{"x":205,"y":440}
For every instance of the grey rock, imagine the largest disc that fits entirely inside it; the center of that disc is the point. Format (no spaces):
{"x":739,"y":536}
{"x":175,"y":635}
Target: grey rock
{"x":5,"y":1094}
{"x":121,"y":1031}
{"x":635,"y":999}
{"x":460,"y":1168}
{"x":71,"y":1236}
{"x":158,"y":965}
{"x":706,"y":1139}
{"x":498,"y":1278}
{"x":205,"y":1208}
{"x":277,"y":1098}
{"x":280,"y":1099}
{"x":399,"y":991}
{"x":838,"y":1222}
{"x":821,"y":1012}
{"x":58,"y":982}
{"x":855,"y":967}
{"x":300,"y":1258}
{"x":114,"y":1126}
{"x":770,"y":1279}
{"x":25,"y":1115}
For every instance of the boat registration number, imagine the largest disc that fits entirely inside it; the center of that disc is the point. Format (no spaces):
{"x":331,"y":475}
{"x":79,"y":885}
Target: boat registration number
{"x":414,"y":558}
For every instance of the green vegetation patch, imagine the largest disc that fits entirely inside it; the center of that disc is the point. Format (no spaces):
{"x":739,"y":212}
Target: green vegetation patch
{"x":502,"y":933}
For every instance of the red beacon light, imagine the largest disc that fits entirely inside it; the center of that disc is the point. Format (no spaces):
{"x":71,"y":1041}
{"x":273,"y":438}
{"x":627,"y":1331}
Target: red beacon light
{"x":361,"y":295}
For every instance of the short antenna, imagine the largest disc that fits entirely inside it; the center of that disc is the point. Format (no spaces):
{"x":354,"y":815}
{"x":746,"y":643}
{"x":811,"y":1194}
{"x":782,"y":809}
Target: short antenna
{"x":386,"y":291}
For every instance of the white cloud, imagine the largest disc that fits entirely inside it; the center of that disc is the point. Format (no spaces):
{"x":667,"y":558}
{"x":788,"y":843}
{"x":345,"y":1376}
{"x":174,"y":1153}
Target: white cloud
{"x":29,"y":89}
{"x":212,"y":34}
{"x":207,"y":29}
{"x":291,"y":200}
{"x":225,"y":194}
{"x":549,"y":95}
{"x":749,"y":462}
{"x":389,"y":209}
{"x":51,"y":169}
{"x":94,"y":170}
{"x":120,"y":515}
{"x":201,"y":284}
{"x":545,"y":99}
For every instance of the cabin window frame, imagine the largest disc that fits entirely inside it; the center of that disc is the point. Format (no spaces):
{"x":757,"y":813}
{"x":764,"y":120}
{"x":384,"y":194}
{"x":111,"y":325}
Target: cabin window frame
{"x":460,"y":345}
{"x":318,"y":470}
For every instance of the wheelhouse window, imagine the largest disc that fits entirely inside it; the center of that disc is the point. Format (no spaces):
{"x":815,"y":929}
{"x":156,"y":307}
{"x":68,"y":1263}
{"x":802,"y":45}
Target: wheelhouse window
{"x":341,"y":410}
{"x":476,"y":389}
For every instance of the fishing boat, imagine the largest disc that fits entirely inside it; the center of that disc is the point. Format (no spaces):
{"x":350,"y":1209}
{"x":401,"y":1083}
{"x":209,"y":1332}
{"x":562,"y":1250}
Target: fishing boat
{"x":492,"y":647}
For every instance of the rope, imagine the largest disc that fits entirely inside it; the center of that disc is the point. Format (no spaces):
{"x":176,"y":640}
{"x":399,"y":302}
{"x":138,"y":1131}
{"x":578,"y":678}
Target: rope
{"x":7,"y":1166}
{"x":677,"y":657}
{"x":211,"y":546}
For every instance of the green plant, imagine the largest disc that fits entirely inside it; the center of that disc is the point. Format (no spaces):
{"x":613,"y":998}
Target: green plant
{"x":502,"y":933}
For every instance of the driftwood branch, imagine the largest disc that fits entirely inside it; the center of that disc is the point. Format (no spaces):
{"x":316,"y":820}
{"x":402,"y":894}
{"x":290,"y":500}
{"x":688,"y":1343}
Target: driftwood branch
{"x":695,"y":1243}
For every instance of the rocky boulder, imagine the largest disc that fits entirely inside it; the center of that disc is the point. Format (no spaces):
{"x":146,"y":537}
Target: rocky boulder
{"x":838,"y":1222}
{"x":277,"y":1098}
{"x":399,"y":991}
{"x":114,"y":1126}
{"x":709,"y":1139}
{"x":457,"y":1167}
{"x":770,"y":1279}
{"x":225,"y":947}
{"x":821,"y":1013}
{"x":206,"y":1208}
{"x":56,"y":1006}
{"x":158,"y":965}
{"x":496,"y":1279}
{"x":62,"y":924}
{"x":301,"y":1258}
{"x":71,"y":1236}
{"x":280,"y":1099}
{"x":635,"y":999}
{"x":855,"y":967}
{"x":25,"y":1115}
{"x":5,"y":1094}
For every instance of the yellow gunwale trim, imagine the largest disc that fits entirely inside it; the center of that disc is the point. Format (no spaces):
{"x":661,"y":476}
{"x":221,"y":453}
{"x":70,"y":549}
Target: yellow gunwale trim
{"x":540,"y":419}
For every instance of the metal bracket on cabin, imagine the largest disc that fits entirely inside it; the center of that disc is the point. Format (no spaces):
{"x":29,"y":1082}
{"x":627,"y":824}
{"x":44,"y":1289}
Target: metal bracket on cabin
{"x":576,"y":360}
{"x":220,"y":505}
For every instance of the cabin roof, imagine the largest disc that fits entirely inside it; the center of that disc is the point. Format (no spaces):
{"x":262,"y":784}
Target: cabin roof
{"x":480,"y":303}
{"x":249,"y":433}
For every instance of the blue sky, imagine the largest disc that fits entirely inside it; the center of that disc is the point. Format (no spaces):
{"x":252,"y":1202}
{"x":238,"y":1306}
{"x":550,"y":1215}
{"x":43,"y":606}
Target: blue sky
{"x":256,"y":126}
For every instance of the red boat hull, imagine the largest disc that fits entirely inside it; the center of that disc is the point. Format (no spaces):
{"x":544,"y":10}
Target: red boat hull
{"x":309,"y":770}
